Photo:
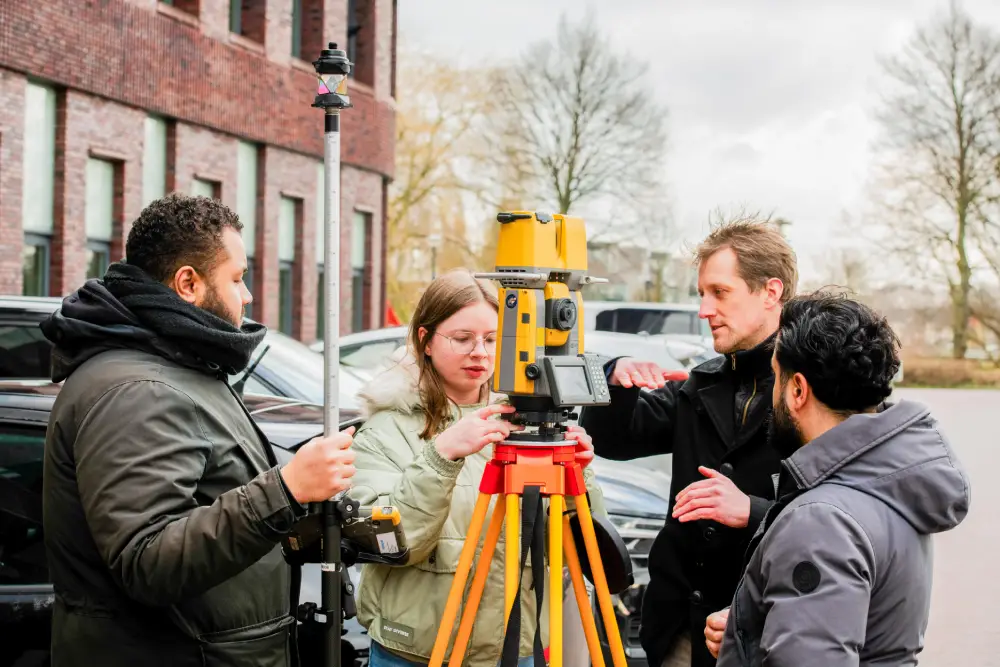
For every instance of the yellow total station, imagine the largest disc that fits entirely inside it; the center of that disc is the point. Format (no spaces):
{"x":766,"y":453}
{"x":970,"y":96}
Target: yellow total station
{"x":541,"y":265}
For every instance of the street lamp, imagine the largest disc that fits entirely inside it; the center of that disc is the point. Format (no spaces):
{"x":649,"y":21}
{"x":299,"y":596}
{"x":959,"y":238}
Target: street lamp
{"x":332,"y":68}
{"x":434,"y":241}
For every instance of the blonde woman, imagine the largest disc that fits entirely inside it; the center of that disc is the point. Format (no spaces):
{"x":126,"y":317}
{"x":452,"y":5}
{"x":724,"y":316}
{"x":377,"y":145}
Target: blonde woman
{"x":431,"y":425}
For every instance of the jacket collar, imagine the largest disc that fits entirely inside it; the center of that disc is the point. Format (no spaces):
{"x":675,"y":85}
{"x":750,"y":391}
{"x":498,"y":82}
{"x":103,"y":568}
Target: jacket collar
{"x":818,"y":460}
{"x":755,"y":362}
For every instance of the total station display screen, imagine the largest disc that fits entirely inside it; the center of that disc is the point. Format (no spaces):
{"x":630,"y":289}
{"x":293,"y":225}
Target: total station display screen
{"x":572,"y":381}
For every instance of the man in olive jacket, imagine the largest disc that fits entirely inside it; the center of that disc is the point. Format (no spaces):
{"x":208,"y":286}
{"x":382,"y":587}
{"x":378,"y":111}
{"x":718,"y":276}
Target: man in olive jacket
{"x":163,"y":503}
{"x":713,"y":423}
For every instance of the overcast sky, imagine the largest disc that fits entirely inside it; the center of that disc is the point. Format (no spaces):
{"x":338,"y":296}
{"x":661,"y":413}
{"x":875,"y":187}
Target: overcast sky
{"x":769,"y":100}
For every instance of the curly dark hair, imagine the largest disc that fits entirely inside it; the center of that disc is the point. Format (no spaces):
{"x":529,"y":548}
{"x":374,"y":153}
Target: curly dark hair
{"x":179,"y":230}
{"x":846,"y":351}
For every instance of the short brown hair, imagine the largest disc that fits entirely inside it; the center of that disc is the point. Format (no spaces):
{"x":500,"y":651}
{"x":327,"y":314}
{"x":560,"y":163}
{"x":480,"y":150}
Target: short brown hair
{"x":761,"y":252}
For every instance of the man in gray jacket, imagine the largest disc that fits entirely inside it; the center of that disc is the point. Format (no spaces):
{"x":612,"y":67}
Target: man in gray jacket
{"x":840,"y":571}
{"x":163,"y":504}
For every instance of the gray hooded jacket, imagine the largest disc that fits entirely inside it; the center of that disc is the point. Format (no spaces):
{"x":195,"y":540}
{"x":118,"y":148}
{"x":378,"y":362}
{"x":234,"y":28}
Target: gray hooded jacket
{"x":841,"y":574}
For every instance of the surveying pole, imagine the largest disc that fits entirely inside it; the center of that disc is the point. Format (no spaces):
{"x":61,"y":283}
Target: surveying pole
{"x":332,"y":68}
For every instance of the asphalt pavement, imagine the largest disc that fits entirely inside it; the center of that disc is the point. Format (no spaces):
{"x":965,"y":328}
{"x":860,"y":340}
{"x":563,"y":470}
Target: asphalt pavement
{"x":964,"y":625}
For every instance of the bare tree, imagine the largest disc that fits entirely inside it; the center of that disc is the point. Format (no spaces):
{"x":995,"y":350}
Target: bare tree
{"x":574,"y":122}
{"x":939,"y":167}
{"x":438,"y":108}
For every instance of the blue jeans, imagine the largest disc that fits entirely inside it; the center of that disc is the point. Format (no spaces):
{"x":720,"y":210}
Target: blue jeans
{"x":378,"y":656}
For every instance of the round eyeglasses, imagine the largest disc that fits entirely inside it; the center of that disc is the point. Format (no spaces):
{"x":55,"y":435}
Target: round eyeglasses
{"x":464,"y":342}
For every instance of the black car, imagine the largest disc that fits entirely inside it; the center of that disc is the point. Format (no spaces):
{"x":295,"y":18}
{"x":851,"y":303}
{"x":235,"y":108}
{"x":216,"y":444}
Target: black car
{"x":26,"y":595}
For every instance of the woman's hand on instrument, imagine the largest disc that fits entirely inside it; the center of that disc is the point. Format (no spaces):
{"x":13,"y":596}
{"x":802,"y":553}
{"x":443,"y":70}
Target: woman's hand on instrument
{"x":584,"y":444}
{"x":473,"y":432}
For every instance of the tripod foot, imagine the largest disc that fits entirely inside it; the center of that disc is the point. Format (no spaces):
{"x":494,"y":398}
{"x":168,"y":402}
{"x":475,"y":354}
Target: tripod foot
{"x":478,"y":585}
{"x":600,"y":581}
{"x":458,"y":584}
{"x":582,"y":599}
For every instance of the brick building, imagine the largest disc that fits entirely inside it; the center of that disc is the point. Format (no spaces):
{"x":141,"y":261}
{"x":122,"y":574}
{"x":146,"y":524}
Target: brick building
{"x":106,"y":105}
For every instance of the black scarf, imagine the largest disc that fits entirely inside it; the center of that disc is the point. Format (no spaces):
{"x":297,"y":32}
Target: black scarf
{"x":128,"y":309}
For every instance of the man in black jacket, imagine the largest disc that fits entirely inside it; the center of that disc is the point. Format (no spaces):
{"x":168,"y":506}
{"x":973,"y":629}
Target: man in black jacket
{"x":713,"y":423}
{"x":163,"y":504}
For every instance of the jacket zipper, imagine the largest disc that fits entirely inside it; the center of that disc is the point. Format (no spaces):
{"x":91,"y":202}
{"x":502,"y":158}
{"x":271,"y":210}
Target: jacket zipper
{"x":746,"y":406}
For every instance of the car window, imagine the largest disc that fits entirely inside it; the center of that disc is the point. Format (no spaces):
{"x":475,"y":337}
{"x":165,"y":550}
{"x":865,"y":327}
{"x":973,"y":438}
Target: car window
{"x":254,"y":385}
{"x":653,"y":322}
{"x":369,"y":355}
{"x":24,"y":351}
{"x":22,"y":549}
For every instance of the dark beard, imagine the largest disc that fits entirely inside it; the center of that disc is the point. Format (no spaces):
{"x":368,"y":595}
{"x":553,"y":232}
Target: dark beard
{"x":214,"y":305}
{"x":783,"y":433}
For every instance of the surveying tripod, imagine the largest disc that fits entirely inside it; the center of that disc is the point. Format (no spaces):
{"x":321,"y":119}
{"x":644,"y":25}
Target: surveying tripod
{"x":552,"y":469}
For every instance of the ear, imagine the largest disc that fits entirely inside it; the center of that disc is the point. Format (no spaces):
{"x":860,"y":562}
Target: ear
{"x":188,"y":284}
{"x":773,"y":290}
{"x":422,"y":336}
{"x":799,"y":392}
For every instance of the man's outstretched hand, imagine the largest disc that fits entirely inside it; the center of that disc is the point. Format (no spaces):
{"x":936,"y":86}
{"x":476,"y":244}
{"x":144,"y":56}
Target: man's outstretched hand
{"x":631,"y":373}
{"x":715,"y":498}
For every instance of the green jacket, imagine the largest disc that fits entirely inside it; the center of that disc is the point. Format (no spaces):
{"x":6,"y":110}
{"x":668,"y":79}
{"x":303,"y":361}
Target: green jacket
{"x":163,"y":511}
{"x":402,"y":606}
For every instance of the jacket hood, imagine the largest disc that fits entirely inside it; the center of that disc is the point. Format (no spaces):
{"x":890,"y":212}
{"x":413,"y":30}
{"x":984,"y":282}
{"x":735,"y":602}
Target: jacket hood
{"x":90,"y":321}
{"x":395,"y":387}
{"x":897,"y":455}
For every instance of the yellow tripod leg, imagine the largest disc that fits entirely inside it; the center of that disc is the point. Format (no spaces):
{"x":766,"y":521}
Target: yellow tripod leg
{"x":512,"y":553}
{"x":582,"y":601}
{"x":555,"y":581}
{"x":600,"y":581}
{"x":478,"y":585}
{"x":458,"y":583}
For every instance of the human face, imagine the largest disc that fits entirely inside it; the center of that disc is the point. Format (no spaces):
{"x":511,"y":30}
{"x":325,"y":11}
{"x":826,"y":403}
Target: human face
{"x":464,"y":373}
{"x":224,"y":294}
{"x":740,"y":319}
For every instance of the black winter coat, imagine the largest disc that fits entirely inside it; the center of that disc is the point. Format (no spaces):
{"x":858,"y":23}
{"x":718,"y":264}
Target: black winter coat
{"x":717,"y":418}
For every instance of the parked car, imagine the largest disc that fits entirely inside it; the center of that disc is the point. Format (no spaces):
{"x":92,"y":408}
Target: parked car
{"x":281,"y":366}
{"x":636,"y":500}
{"x":677,"y":324}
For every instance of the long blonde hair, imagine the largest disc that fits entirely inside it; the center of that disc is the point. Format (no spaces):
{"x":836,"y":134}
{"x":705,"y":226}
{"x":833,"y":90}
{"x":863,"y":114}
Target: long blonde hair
{"x":444,"y":297}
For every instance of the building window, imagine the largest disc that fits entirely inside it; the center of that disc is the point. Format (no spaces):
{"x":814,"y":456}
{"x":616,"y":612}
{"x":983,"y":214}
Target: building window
{"x":247,"y":18}
{"x":395,"y":39}
{"x":361,"y":40}
{"x":307,"y":28}
{"x":189,"y":6}
{"x":38,"y":192}
{"x":360,"y":270}
{"x":154,"y":160}
{"x":35,"y":265}
{"x":236,"y":16}
{"x":287,"y":224}
{"x":99,"y":213}
{"x":202,"y":187}
{"x":297,"y":28}
{"x":98,"y":259}
{"x":246,"y":206}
